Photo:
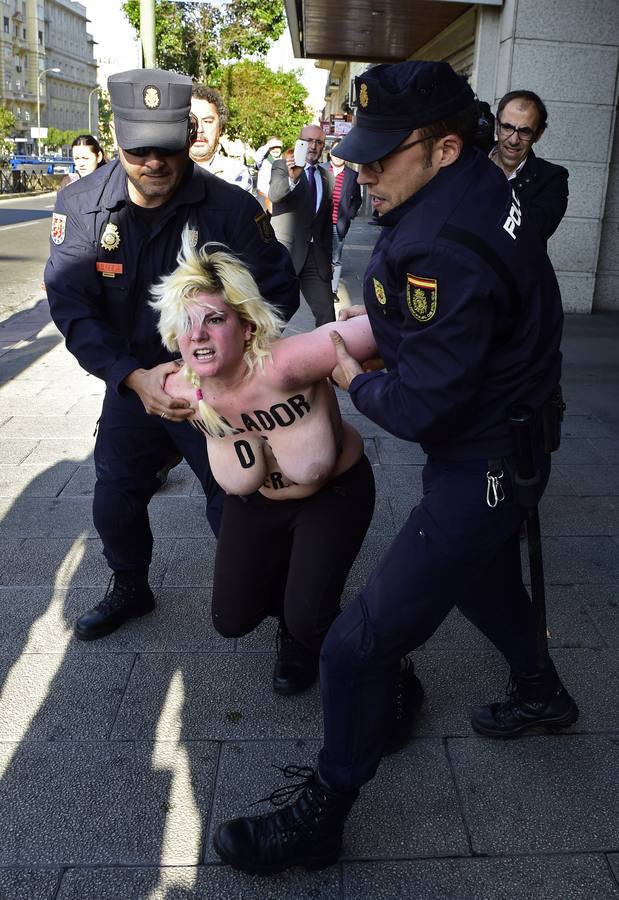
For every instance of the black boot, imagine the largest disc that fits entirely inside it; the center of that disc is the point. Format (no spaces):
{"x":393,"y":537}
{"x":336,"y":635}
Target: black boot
{"x":533,"y":701}
{"x":408,"y":702}
{"x":164,"y":471}
{"x":296,"y":667}
{"x":306,"y":832}
{"x":129,"y":598}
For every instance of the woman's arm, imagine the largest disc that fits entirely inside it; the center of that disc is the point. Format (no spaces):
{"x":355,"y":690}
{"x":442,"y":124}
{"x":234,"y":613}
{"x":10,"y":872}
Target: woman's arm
{"x":305,"y":358}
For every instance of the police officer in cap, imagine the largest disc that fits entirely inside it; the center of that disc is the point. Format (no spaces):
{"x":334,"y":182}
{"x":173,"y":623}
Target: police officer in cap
{"x":113,"y":235}
{"x":467,"y":315}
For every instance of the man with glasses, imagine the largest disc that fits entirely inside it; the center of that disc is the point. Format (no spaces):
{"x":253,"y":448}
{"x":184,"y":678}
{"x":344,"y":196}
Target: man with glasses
{"x":114,"y":235}
{"x":301,"y":198}
{"x":466,"y":312}
{"x":209,"y":116}
{"x":541,"y":186}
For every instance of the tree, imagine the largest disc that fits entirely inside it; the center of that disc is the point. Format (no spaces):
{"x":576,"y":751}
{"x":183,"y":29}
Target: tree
{"x":59,"y":140}
{"x":263,"y":103}
{"x":7,"y":126}
{"x":106,"y":138}
{"x":197,"y":39}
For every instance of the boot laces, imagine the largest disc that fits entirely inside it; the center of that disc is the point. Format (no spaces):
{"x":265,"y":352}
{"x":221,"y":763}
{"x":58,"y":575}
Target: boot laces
{"x":117,"y":596}
{"x":297,"y":818}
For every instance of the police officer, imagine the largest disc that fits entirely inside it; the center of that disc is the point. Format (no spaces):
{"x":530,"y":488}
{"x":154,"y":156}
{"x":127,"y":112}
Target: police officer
{"x":113,"y":235}
{"x":467,"y":315}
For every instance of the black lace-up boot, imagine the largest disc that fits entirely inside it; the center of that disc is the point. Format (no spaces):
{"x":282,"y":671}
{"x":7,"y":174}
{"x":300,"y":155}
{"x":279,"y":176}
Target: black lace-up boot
{"x":306,"y":832}
{"x":537,"y":701}
{"x":129,"y":597}
{"x":408,"y":702}
{"x":296,"y":667}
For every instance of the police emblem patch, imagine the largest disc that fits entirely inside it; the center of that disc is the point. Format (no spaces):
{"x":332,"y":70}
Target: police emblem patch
{"x":380,"y":292}
{"x":59,"y":227}
{"x":363,"y":94}
{"x":265,"y":228}
{"x":421,"y":297}
{"x":151,"y":96}
{"x":110,"y":239}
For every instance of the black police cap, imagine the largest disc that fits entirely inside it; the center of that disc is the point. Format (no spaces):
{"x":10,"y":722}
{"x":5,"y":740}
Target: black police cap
{"x":393,"y":100}
{"x":151,"y":108}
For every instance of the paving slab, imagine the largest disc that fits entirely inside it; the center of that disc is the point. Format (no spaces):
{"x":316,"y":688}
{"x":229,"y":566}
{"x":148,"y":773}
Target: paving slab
{"x":584,"y":877}
{"x":211,"y":882}
{"x":104,"y":803}
{"x":603,"y":604}
{"x":540,"y":794}
{"x":601,"y":480}
{"x":53,"y":697}
{"x":32,"y":517}
{"x":15,"y":451}
{"x":573,"y":560}
{"x":39,"y":480}
{"x":568,"y":516}
{"x":29,"y":884}
{"x":225,"y":696}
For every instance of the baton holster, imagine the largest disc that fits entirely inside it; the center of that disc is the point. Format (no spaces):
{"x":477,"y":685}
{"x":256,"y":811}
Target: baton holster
{"x":552,"y":417}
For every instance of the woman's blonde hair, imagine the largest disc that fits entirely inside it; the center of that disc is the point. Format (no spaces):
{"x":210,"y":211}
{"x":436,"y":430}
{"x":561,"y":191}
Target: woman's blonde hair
{"x":213,"y":269}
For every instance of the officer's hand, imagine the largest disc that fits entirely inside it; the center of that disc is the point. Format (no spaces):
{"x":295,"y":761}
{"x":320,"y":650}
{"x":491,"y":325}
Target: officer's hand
{"x":349,"y":312}
{"x":347,"y":367}
{"x":148,"y":385}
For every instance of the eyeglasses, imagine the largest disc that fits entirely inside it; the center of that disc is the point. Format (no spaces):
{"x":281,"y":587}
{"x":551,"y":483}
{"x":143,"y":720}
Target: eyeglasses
{"x":377,"y":166}
{"x":151,"y":151}
{"x":507,"y":129}
{"x":314,"y":141}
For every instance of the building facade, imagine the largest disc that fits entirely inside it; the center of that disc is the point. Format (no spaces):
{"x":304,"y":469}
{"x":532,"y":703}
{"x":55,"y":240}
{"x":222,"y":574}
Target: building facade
{"x":37,"y":35}
{"x":564,"y":50}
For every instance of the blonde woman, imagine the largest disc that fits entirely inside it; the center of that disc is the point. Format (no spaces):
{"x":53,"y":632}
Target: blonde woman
{"x":300,"y":491}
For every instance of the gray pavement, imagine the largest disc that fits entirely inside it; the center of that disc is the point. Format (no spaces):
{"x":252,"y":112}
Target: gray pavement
{"x":118,"y":757}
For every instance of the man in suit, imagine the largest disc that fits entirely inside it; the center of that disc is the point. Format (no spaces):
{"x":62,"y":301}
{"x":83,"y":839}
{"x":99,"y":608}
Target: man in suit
{"x":540,"y":186}
{"x":346,"y":203}
{"x":301,"y":219}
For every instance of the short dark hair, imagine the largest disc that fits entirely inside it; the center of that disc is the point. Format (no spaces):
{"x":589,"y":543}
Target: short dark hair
{"x":87,"y":140}
{"x":529,"y":97}
{"x":463,"y":123}
{"x":212,"y":95}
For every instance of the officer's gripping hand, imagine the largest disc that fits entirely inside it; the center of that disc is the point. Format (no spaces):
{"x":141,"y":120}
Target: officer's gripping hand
{"x":347,"y":366}
{"x":349,"y":312}
{"x":376,"y":363}
{"x":148,"y":385}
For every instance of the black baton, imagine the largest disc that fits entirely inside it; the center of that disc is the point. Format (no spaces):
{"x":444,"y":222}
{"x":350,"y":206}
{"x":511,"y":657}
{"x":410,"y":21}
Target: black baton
{"x":526,"y":482}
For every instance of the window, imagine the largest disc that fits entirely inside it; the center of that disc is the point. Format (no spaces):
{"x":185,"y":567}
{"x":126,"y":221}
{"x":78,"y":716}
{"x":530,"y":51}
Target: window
{"x":6,"y":25}
{"x":27,"y":115}
{"x":40,"y":38}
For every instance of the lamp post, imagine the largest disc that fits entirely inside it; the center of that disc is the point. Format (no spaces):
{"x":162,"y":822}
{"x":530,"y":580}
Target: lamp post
{"x":95,"y":88}
{"x":41,"y":74}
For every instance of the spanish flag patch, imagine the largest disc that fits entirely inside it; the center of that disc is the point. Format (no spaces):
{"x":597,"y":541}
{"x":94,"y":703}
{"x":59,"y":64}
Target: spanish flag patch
{"x":421,"y":297}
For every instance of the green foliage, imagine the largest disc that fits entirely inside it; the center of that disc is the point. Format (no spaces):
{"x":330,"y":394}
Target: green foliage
{"x":198,"y":38}
{"x":263,"y":103}
{"x":59,"y":140}
{"x":106,"y":138}
{"x":7,"y":126}
{"x":7,"y":123}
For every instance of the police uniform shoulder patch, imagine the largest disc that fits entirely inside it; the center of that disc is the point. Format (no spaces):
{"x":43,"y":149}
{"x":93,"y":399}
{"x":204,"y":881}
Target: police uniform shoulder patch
{"x":421,"y":297}
{"x":151,"y":96}
{"x":363,"y":94}
{"x":380,"y":292}
{"x":59,"y":228}
{"x":265,"y":229}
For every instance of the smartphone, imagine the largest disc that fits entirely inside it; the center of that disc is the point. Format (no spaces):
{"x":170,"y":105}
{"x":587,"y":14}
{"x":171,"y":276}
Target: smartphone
{"x":300,"y":153}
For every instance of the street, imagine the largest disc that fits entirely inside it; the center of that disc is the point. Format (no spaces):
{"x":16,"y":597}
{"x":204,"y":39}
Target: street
{"x":24,"y":248}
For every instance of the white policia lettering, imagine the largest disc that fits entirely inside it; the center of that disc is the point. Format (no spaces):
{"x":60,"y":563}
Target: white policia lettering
{"x":514,"y":218}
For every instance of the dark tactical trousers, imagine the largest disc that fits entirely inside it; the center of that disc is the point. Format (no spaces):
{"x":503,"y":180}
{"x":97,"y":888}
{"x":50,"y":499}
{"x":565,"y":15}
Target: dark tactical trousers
{"x":131,"y":448}
{"x":454,"y":550}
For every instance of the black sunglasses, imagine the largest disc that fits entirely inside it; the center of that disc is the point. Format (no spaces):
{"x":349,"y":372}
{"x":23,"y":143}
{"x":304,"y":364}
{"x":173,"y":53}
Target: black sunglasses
{"x":151,"y":151}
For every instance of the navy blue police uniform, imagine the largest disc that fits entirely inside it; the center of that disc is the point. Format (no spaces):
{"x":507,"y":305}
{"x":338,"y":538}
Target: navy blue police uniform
{"x":105,"y":254}
{"x":466,"y":312}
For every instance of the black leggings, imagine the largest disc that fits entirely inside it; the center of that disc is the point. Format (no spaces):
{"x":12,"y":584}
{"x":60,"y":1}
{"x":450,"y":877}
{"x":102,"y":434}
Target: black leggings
{"x":290,"y":558}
